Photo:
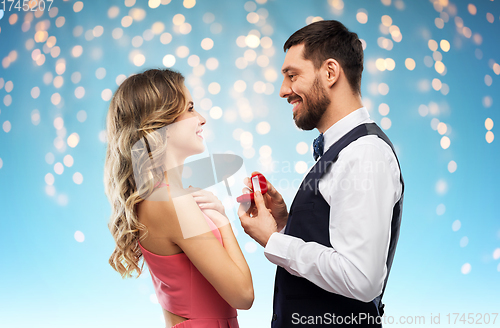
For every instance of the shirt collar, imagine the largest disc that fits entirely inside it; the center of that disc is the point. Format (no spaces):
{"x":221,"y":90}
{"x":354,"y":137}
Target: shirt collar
{"x":346,"y":124}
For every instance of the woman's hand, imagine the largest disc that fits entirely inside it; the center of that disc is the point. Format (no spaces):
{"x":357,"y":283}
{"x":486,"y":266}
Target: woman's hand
{"x":210,"y":205}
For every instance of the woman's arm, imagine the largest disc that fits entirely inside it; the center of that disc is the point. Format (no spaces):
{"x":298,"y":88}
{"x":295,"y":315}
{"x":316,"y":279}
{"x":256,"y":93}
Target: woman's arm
{"x":224,"y":266}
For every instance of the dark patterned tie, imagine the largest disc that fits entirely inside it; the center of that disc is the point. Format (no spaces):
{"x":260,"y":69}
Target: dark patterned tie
{"x":318,"y":145}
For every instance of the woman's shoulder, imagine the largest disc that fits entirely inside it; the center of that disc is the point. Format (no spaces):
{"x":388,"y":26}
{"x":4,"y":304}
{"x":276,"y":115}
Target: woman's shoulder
{"x":176,"y":216}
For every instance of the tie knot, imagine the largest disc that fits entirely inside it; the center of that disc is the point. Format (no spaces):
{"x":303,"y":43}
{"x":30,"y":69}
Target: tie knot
{"x":318,"y":146}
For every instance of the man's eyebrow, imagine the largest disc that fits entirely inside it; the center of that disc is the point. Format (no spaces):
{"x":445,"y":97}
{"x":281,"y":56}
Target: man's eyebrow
{"x":288,"y":68}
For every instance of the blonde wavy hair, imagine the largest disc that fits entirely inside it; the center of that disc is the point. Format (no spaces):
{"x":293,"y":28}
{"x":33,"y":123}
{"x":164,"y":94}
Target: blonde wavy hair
{"x":141,"y":105}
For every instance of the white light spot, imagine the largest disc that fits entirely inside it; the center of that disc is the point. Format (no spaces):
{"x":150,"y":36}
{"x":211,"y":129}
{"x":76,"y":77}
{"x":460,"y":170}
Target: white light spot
{"x":79,"y":236}
{"x":240,"y":86}
{"x":265,"y":151}
{"x":441,"y":208}
{"x":7,"y":100}
{"x":50,"y":190}
{"x":456,"y":225}
{"x":212,"y":63}
{"x":166,"y":38}
{"x":49,"y":179}
{"x":58,"y":123}
{"x":362,"y":16}
{"x":35,"y":92}
{"x":106,"y":94}
{"x":452,"y":166}
{"x":496,"y":254}
{"x":77,"y":6}
{"x":100,"y":73}
{"x":58,"y":168}
{"x":207,"y":44}
{"x":169,"y":60}
{"x":77,"y":178}
{"x":79,"y":92}
{"x":383,"y":89}
{"x":139,"y":60}
{"x":193,"y":60}
{"x":301,"y":167}
{"x":103,"y":136}
{"x":464,"y":241}
{"x":75,"y":77}
{"x":153,"y":298}
{"x":250,"y":247}
{"x":35,"y":117}
{"x":441,"y":187}
{"x":383,"y":109}
{"x":253,"y":41}
{"x":385,"y":123}
{"x":208,"y":18}
{"x":246,"y":139}
{"x":249,"y":152}
{"x":214,"y":88}
{"x":487,"y":101}
{"x":49,"y":158}
{"x":216,"y":113}
{"x":6,"y":126}
{"x":81,"y":116}
{"x":263,"y":128}
{"x":466,"y":268}
{"x":302,"y":148}
{"x":68,"y":160}
{"x":182,"y":52}
{"x":73,"y":140}
{"x":445,"y":142}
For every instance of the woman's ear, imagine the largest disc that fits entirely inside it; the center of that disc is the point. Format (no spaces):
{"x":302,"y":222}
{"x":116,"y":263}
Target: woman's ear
{"x":332,"y":71}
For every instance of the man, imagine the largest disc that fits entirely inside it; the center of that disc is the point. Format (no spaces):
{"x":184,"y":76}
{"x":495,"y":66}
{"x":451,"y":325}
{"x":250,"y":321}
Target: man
{"x":335,"y":247}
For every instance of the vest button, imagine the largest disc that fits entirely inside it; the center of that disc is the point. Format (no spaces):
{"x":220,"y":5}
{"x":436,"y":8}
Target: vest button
{"x":275,"y":317}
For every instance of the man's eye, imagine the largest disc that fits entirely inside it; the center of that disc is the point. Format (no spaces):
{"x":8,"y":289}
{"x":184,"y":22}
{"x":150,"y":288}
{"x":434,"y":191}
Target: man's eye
{"x":291,"y":76}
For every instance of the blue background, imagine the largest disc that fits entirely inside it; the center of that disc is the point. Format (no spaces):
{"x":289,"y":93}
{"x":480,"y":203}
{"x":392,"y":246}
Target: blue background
{"x":50,"y":278}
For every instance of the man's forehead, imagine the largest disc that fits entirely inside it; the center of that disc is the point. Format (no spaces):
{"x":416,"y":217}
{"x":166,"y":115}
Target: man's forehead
{"x":294,"y":58}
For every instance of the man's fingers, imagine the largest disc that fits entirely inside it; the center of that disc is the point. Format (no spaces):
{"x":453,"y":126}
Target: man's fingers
{"x":259,"y":201}
{"x":242,"y":213}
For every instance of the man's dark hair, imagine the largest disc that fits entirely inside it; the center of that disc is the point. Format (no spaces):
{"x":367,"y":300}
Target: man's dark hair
{"x":331,"y":39}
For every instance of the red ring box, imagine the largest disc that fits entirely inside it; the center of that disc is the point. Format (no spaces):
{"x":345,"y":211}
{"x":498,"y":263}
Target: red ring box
{"x":263,"y":189}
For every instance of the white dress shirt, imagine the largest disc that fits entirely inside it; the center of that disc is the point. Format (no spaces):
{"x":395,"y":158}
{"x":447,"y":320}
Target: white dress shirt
{"x":361,"y":187}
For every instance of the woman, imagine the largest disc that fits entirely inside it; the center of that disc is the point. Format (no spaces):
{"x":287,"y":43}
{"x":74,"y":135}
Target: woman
{"x":198,"y":270}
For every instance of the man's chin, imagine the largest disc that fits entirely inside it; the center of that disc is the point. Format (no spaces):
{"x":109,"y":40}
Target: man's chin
{"x":301,"y":125}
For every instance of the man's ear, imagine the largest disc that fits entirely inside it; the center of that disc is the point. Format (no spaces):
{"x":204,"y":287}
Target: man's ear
{"x":332,"y":71}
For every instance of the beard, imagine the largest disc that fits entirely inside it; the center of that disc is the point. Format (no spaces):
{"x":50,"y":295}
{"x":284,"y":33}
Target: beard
{"x":314,"y":105}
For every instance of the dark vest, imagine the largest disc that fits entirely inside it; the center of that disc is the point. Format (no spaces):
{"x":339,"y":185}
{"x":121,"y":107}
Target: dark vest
{"x":299,"y":302}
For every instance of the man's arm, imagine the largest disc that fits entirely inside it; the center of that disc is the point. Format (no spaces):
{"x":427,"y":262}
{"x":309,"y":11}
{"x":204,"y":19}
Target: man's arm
{"x":361,"y":197}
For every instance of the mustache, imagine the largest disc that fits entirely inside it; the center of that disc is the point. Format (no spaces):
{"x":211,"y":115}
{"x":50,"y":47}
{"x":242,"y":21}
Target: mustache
{"x":292,"y":98}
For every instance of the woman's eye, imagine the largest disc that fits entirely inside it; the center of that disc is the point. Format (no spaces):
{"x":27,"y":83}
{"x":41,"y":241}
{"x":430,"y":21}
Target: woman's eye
{"x":191,"y":109}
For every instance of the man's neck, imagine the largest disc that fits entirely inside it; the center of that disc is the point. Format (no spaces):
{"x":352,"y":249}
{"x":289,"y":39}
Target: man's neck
{"x":338,"y":110}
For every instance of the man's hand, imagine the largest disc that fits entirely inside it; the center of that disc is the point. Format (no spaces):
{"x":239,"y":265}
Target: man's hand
{"x":273,"y":201}
{"x":261,"y":225}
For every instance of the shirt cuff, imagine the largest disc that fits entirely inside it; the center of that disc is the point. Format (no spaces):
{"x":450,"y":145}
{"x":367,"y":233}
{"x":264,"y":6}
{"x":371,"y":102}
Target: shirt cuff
{"x":276,"y":249}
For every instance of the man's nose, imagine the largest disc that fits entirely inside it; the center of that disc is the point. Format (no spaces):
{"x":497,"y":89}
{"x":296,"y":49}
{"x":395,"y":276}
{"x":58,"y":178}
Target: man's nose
{"x":285,"y":89}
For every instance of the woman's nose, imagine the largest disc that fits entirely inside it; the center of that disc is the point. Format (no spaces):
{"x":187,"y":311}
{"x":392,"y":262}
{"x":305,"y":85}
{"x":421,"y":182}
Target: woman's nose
{"x":202,"y":119}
